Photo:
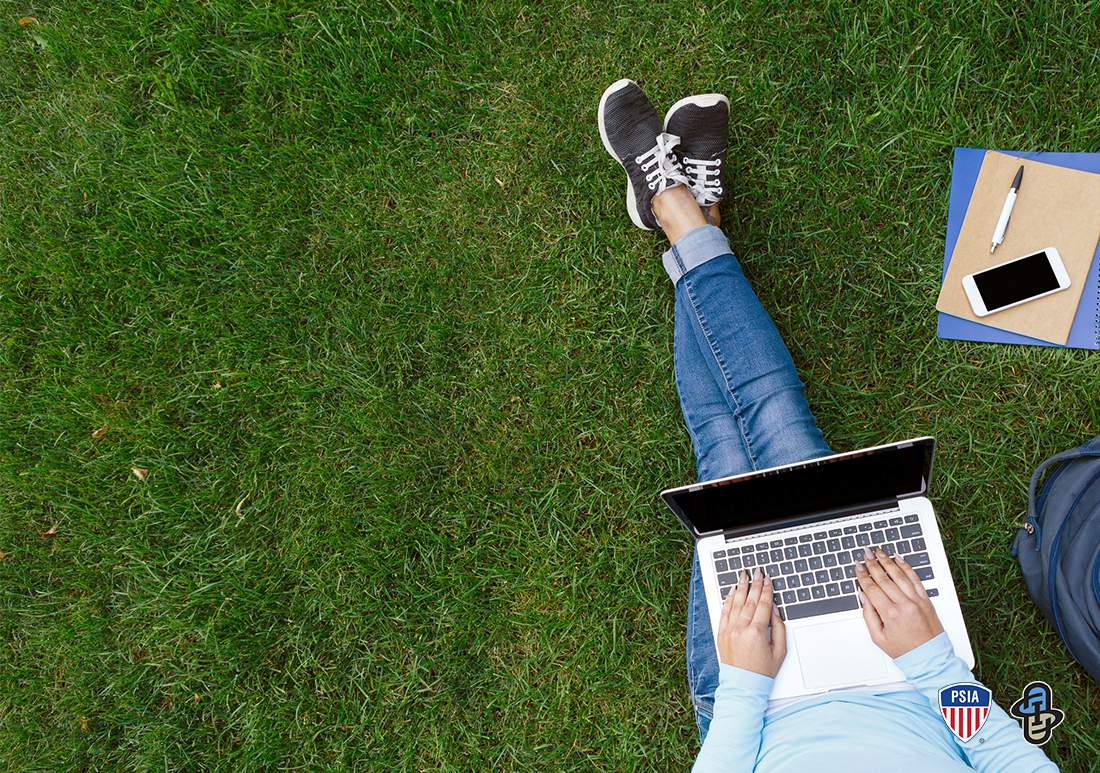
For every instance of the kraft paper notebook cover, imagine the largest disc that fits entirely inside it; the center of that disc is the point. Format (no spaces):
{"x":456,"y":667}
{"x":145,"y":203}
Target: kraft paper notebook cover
{"x":1085,"y":333}
{"x":1057,"y":207}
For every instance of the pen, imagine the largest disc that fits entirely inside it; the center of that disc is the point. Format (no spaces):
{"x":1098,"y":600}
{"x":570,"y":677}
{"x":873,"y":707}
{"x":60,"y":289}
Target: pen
{"x":1006,"y":212}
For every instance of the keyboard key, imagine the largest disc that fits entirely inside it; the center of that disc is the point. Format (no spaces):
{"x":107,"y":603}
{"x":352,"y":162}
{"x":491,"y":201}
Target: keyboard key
{"x":794,"y":582}
{"x":818,"y":592}
{"x":789,"y":597}
{"x":733,"y":551}
{"x":888,"y":548}
{"x":848,"y":542}
{"x":763,"y":558}
{"x":749,"y":560}
{"x":834,"y":532}
{"x":721,"y":566}
{"x":819,"y":535}
{"x":878,"y":537}
{"x":897,"y":521}
{"x":903,"y":547}
{"x":807,"y":579}
{"x":782,"y":614}
{"x":791,"y":553}
{"x":918,"y":559}
{"x":776,"y":543}
{"x":850,"y":571}
{"x":829,"y":559}
{"x":735,"y":563}
{"x":815,"y":563}
{"x":727,"y":579}
{"x":924,"y":572}
{"x":719,"y":554}
{"x":832,"y":589}
{"x":863,"y":540}
{"x":827,"y":606}
{"x":779,"y":584}
{"x":726,"y":592}
{"x":847,"y":587}
{"x":849,"y":529}
{"x":822,"y":576}
{"x":803,"y":594}
{"x":800,"y":565}
{"x":836,"y":573}
{"x":911,"y":531}
{"x":786,"y":568}
{"x":761,"y":545}
{"x":865,"y":527}
{"x":805,"y":550}
{"x":892,"y":535}
{"x":819,"y":548}
{"x":772,"y":570}
{"x":790,"y":541}
{"x":806,"y":538}
{"x":880,"y":524}
{"x":912,"y":518}
{"x":833,"y":545}
{"x":844,"y":557}
{"x":857,"y":554}
{"x":918,"y":544}
{"x":933,"y":592}
{"x":776,"y":555}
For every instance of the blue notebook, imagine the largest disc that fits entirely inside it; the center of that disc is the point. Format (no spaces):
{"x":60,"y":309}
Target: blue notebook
{"x":1085,"y":332}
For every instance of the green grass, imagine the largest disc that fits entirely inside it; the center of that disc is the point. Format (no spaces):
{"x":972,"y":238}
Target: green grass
{"x":355,"y":285}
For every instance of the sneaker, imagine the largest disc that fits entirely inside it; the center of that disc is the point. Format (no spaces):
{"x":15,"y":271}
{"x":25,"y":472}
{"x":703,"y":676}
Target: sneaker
{"x":631,"y":132}
{"x":702,"y":124}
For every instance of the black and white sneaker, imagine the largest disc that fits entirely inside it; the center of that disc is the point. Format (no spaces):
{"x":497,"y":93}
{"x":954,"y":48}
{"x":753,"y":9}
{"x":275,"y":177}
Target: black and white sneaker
{"x":702,"y":124}
{"x":631,"y":132}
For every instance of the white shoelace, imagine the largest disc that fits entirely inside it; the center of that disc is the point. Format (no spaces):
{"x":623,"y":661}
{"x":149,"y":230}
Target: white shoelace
{"x":661,"y":168}
{"x":704,"y":180}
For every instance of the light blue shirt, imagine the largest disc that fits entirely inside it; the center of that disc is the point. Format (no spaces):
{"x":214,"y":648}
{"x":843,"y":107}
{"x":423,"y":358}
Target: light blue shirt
{"x":861,"y":730}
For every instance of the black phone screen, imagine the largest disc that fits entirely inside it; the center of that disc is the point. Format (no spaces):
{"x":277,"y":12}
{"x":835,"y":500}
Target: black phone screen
{"x":1016,"y":281}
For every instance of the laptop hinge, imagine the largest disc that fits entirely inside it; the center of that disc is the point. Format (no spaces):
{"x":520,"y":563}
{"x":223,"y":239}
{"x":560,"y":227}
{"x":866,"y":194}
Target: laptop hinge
{"x":802,"y":520}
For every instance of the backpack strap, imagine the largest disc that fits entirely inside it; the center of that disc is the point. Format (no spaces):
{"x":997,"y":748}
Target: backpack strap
{"x":1032,"y":516}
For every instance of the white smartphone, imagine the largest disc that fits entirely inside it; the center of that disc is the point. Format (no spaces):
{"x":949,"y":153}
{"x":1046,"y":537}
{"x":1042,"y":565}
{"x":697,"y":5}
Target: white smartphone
{"x":1016,"y":281}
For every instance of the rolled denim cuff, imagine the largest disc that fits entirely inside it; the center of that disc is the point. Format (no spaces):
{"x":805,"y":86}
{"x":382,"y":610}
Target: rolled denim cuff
{"x":693,"y":249}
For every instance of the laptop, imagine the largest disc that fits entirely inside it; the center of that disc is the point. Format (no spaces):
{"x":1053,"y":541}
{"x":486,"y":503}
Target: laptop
{"x":805,"y":525}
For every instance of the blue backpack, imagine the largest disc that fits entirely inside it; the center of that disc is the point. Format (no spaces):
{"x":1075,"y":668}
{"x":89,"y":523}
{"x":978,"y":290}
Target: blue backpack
{"x":1059,"y":549}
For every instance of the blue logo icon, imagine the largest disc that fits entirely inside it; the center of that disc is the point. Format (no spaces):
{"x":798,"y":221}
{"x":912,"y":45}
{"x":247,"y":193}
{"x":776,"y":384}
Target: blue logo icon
{"x":1036,"y":709}
{"x":965,"y":707}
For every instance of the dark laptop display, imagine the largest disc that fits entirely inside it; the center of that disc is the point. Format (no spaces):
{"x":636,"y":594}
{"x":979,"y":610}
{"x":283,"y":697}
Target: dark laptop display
{"x":789,"y":496}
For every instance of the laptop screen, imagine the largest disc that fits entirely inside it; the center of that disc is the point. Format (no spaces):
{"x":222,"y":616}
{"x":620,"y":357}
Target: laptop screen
{"x":832,"y":483}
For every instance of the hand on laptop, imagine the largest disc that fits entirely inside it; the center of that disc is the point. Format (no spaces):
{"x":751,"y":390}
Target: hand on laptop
{"x":896,"y":607}
{"x":743,"y":627}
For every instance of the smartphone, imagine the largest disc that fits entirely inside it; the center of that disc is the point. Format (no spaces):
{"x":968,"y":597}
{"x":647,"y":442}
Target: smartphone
{"x":1016,"y":281}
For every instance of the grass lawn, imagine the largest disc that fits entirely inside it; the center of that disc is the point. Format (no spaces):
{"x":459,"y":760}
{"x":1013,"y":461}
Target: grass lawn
{"x":336,"y":386}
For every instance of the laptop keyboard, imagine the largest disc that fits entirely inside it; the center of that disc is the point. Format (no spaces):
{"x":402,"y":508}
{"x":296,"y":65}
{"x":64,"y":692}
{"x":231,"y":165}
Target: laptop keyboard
{"x":815,"y":574}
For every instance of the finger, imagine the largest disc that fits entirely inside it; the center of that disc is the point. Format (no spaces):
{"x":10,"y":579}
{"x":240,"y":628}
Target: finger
{"x":897,"y":575}
{"x":739,"y":592}
{"x":752,"y":598}
{"x":910,"y":574}
{"x":871,"y":617}
{"x":881,"y":578}
{"x":727,"y":605}
{"x":779,"y":634}
{"x":764,"y":607}
{"x":870,"y":587}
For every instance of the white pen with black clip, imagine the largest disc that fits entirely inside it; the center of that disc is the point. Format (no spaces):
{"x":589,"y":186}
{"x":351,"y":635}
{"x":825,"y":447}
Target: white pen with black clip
{"x":1006,"y":212}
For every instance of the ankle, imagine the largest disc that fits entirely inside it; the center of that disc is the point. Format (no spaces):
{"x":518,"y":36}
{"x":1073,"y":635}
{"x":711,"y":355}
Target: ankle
{"x":678,"y":212}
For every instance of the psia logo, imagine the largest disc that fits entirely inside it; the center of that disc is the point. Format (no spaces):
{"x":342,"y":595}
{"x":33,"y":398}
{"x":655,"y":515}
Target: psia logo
{"x":965,"y":707}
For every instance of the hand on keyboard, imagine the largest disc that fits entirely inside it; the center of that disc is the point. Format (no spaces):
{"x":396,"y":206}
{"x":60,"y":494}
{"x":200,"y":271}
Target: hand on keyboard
{"x":743,"y":627}
{"x":896,"y":607}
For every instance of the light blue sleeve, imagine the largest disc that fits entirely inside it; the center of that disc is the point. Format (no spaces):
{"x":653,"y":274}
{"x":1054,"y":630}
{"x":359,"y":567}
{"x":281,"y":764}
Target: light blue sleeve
{"x":1000,"y":744}
{"x":733,"y":740}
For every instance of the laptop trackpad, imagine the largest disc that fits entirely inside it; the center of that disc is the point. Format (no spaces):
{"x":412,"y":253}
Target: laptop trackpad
{"x":839,"y":653}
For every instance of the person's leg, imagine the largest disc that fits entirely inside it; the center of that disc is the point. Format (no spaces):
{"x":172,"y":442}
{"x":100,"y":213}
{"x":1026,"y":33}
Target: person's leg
{"x":742,"y":401}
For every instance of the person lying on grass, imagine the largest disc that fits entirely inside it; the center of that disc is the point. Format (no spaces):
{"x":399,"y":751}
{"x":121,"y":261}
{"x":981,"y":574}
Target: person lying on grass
{"x":745,"y":410}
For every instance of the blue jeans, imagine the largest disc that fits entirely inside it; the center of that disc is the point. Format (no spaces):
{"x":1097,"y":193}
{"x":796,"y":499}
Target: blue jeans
{"x":743,"y":403}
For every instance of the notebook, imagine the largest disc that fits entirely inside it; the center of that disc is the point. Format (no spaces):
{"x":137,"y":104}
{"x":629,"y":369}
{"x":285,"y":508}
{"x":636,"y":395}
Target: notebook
{"x":805,"y":525}
{"x":1084,"y":332}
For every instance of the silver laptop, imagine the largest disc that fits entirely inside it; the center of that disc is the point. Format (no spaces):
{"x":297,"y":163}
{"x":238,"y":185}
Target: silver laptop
{"x":806,"y":524}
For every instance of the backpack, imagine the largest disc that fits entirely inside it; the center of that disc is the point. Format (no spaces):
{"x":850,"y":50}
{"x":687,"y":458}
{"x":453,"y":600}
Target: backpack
{"x":1059,"y":549}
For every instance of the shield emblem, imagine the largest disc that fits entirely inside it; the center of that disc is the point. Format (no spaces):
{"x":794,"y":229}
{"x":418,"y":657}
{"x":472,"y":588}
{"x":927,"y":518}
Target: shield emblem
{"x":964,"y":707}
